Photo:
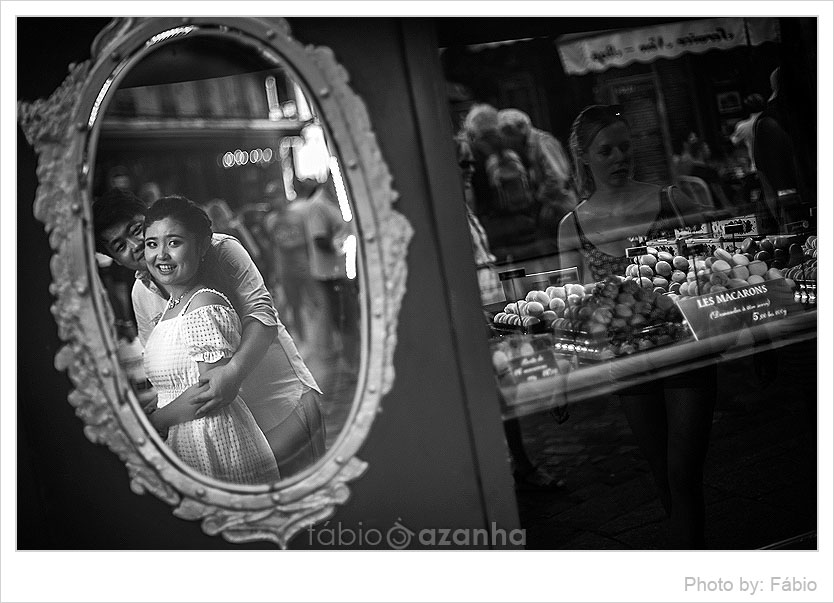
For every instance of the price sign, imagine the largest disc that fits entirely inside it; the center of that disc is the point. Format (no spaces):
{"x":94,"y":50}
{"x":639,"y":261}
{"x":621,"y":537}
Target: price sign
{"x":533,"y":367}
{"x":733,"y":229}
{"x":724,"y":311}
{"x":633,"y":252}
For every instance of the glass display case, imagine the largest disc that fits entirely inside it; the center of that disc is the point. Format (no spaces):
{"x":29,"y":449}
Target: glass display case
{"x":682,"y":304}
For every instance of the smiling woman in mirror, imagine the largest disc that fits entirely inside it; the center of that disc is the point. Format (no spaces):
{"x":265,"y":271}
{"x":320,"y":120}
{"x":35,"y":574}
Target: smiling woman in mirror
{"x":198,"y":332}
{"x":278,"y":390}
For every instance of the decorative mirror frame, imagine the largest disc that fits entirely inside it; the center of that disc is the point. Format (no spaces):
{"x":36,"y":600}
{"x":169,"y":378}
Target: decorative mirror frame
{"x":62,"y":130}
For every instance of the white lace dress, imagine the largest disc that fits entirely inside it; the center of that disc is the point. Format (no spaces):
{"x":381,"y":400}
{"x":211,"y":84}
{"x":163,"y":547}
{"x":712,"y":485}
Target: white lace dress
{"x":227,"y":444}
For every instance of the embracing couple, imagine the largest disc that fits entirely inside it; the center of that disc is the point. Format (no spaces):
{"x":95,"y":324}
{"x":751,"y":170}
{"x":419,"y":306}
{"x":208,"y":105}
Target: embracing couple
{"x":233,"y":397}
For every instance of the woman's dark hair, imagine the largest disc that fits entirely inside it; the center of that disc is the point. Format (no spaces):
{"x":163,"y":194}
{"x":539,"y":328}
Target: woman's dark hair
{"x":184,"y":211}
{"x":114,"y":207}
{"x":585,"y":128}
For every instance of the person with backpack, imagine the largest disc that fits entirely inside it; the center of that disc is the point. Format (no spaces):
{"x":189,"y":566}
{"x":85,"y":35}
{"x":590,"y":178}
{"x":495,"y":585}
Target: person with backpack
{"x":505,"y":224}
{"x":505,"y":191}
{"x":546,"y":164}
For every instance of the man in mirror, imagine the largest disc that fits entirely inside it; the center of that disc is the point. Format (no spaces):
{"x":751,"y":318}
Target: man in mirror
{"x":266,"y":361}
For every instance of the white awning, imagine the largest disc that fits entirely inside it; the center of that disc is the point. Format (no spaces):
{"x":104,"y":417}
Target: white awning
{"x":620,"y":48}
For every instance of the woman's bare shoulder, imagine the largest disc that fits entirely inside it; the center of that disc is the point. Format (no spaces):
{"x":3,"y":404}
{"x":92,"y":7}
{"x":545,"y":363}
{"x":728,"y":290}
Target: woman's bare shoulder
{"x":207,"y":297}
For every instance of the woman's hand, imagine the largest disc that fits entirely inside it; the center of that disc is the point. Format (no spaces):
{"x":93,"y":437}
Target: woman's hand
{"x":180,"y":410}
{"x":147,"y":399}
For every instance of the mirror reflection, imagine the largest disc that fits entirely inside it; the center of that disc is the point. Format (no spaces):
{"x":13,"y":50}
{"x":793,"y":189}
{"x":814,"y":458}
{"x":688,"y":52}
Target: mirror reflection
{"x":226,"y":242}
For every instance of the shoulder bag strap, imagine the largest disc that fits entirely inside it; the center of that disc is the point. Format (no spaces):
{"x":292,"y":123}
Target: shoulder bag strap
{"x":668,"y":209}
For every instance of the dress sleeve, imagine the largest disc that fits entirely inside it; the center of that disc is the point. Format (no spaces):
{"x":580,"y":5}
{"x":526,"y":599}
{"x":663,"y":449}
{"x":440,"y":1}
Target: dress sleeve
{"x":238,"y":277}
{"x":211,"y":333}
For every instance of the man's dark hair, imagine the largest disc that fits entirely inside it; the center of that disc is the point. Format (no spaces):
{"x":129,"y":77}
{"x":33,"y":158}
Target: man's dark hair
{"x":114,"y":207}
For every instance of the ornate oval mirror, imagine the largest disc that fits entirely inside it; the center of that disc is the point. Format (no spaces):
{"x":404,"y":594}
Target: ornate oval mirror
{"x":265,"y":138}
{"x":204,"y":115}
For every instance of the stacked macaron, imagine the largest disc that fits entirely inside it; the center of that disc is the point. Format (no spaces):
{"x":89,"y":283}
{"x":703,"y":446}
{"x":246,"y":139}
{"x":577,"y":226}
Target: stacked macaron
{"x":542,"y":306}
{"x":725,"y":270}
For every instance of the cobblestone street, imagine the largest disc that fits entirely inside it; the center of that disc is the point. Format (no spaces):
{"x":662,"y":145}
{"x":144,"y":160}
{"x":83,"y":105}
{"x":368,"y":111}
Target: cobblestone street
{"x":760,"y":475}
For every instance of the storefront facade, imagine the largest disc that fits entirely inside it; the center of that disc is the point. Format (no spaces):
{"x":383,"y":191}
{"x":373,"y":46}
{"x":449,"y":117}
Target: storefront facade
{"x":436,"y":454}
